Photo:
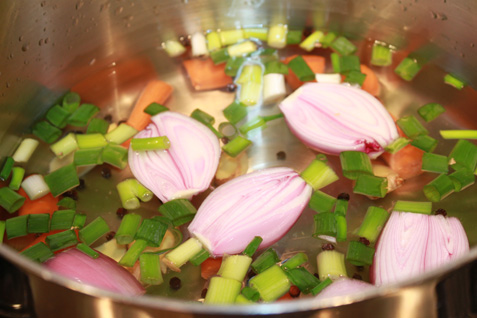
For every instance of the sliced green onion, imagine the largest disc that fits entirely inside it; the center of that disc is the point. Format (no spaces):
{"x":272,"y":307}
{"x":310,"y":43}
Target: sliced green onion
{"x":373,"y":223}
{"x":297,"y":260}
{"x":213,"y":41}
{"x":355,"y":77}
{"x":463,"y":155}
{"x":205,"y":119}
{"x":38,"y":252}
{"x":303,"y":279}
{"x":431,"y":111}
{"x":10,"y":200}
{"x":343,"y":46}
{"x":459,"y":134}
{"x":359,"y":254}
{"x":46,"y":132}
{"x":408,"y":68}
{"x":87,"y":157}
{"x":228,"y":37}
{"x":200,"y":257}
{"x":321,"y":202}
{"x":2,"y":231}
{"x":277,"y":36}
{"x":62,"y":219}
{"x":184,"y":252}
{"x":152,"y":232}
{"x":87,"y":250}
{"x":150,"y":269}
{"x":128,"y":228}
{"x":462,"y":179}
{"x":413,"y":206}
{"x":235,"y":112}
{"x":62,"y":180}
{"x":252,"y":247}
{"x":319,"y":174}
{"x":397,"y":145}
{"x":371,"y":186}
{"x":266,"y":54}
{"x":82,"y":116}
{"x":336,"y":62}
{"x":331,"y":264}
{"x":71,"y":102}
{"x":233,"y":65}
{"x":35,"y":186}
{"x":241,"y":49}
{"x":235,"y":267}
{"x":434,"y":163}
{"x":25,"y":150}
{"x":349,"y":63}
{"x":97,"y":126}
{"x":257,"y":33}
{"x":133,"y":253}
{"x":325,"y":224}
{"x":222,"y":291}
{"x":6,"y":169}
{"x":93,"y":231}
{"x":381,"y":55}
{"x":439,"y":188}
{"x":294,"y":36}
{"x":328,"y":39}
{"x":17,"y":226}
{"x":424,"y":142}
{"x":309,"y":43}
{"x":58,"y":116}
{"x":234,"y":147}
{"x":17,"y":177}
{"x":301,"y":69}
{"x":120,"y":134}
{"x":228,"y":130}
{"x":242,"y":300}
{"x":173,"y":48}
{"x":250,"y":293}
{"x":155,"y":108}
{"x":219,"y":56}
{"x":266,"y":260}
{"x":250,"y":93}
{"x":115,"y":155}
{"x":250,"y":73}
{"x":91,"y":141}
{"x":65,"y":146}
{"x":79,"y":221}
{"x":68,"y":203}
{"x":61,"y":240}
{"x":275,"y":67}
{"x":327,"y":282}
{"x":179,"y":211}
{"x":153,"y":143}
{"x":257,"y":122}
{"x":411,"y":126}
{"x":355,"y":163}
{"x":341,"y":228}
{"x":454,"y":81}
{"x":271,"y":283}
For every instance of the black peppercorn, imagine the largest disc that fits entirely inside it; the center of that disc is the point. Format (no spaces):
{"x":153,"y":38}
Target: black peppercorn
{"x":294,"y":291}
{"x":106,"y":173}
{"x":121,"y":212}
{"x":343,"y":196}
{"x":327,"y":247}
{"x":175,"y":283}
{"x":281,"y":155}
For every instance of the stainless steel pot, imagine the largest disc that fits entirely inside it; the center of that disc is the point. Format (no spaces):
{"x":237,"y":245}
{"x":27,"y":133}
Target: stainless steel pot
{"x":47,"y":46}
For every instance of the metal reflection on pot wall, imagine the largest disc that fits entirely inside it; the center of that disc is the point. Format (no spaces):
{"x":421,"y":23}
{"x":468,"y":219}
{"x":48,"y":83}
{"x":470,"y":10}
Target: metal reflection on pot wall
{"x":49,"y":46}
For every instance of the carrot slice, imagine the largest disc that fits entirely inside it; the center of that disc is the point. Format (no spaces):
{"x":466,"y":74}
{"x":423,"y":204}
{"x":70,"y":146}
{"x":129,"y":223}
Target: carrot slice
{"x":315,"y":62}
{"x":204,"y":74}
{"x":407,"y":162}
{"x":371,"y":83}
{"x":210,"y":267}
{"x":156,"y":91}
{"x":46,"y":204}
{"x":287,"y":296}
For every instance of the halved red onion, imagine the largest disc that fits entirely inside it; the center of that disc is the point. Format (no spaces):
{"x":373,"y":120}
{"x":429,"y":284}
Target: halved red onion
{"x":102,"y":272}
{"x":332,"y":118}
{"x":183,"y":170}
{"x":263,"y":203}
{"x":412,"y":243}
{"x":344,"y":287}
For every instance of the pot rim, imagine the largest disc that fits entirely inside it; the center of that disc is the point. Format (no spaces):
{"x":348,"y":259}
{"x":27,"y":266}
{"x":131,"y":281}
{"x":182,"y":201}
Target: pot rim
{"x":175,"y":305}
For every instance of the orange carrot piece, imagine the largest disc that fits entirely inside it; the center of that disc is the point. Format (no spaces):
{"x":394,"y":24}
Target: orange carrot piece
{"x":210,"y":267}
{"x":46,"y":204}
{"x":156,"y":91}
{"x":204,"y":74}
{"x":315,"y":62}
{"x":287,"y":296}
{"x":371,"y":83}
{"x":407,"y":162}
